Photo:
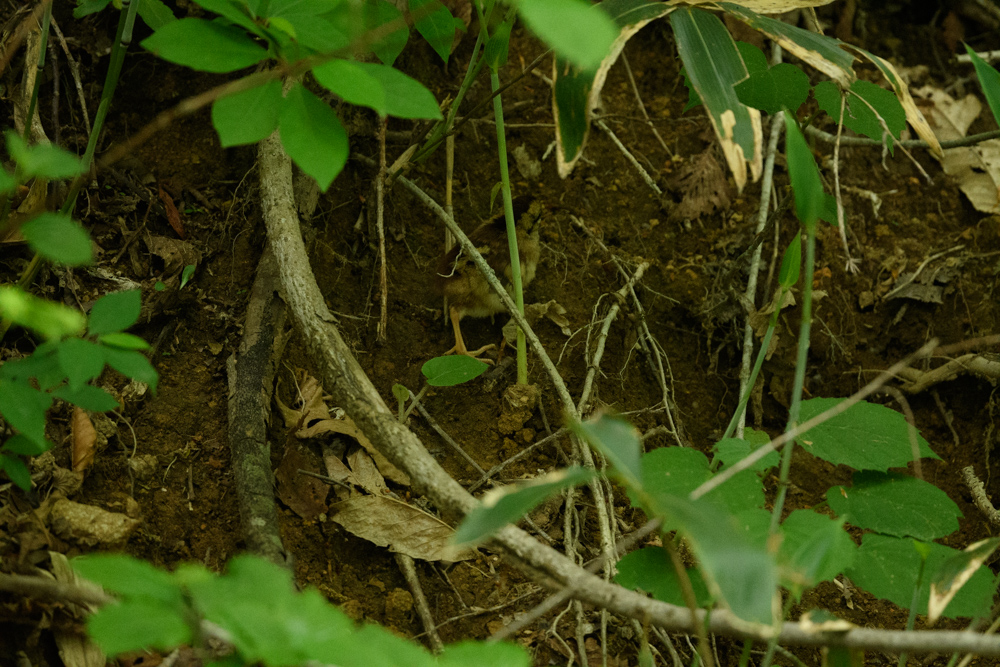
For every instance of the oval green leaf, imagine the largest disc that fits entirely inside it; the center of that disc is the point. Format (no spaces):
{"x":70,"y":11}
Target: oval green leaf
{"x":56,"y":237}
{"x":207,"y":46}
{"x":451,"y":370}
{"x":313,"y":136}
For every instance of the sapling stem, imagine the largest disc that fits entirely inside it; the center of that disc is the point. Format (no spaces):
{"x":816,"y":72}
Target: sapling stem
{"x":800,"y":372}
{"x":508,"y":209}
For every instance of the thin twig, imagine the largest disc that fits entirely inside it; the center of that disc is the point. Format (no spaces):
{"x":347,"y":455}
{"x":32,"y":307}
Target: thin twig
{"x":74,"y":69}
{"x":420,"y":602}
{"x":383,"y":278}
{"x":766,"y":185}
{"x":970,"y":140}
{"x":602,"y":337}
{"x":495,"y":470}
{"x":656,"y":352}
{"x":642,"y":107}
{"x":979,"y":495}
{"x":444,"y":435}
{"x":631,"y":158}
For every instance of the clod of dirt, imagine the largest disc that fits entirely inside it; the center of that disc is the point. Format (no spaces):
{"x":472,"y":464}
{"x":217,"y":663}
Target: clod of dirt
{"x":398,"y":606}
{"x":89,"y":525}
{"x":518,"y":406}
{"x":144,"y":466}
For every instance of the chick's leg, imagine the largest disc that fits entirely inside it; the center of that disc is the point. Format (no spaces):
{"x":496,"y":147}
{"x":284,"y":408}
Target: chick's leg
{"x":459,"y":347}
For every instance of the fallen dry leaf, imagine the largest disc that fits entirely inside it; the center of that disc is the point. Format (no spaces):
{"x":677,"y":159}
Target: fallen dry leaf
{"x":303,"y":494}
{"x":366,"y":473}
{"x":176,"y":254}
{"x":173,"y":215}
{"x":84,"y":440}
{"x":313,"y":418}
{"x":403,"y":528}
{"x":976,"y":169}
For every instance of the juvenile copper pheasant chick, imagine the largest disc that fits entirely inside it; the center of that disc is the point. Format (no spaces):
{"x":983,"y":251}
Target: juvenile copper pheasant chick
{"x":466,"y":288}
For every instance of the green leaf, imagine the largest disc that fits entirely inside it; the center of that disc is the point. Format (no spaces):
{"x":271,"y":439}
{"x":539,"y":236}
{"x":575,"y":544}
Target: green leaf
{"x":87,"y":397}
{"x":307,"y":22}
{"x":815,"y":546}
{"x":207,"y":46}
{"x":234,"y":11}
{"x":506,"y":505}
{"x":80,"y":360}
{"x":619,"y":441}
{"x":7,"y":182}
{"x":783,"y":86}
{"x":56,"y":237}
{"x":482,"y":654}
{"x":155,"y":14}
{"x":577,"y":90}
{"x":114,"y":312}
{"x":824,"y":53}
{"x":753,"y":58}
{"x":866,"y":436}
{"x":733,"y":450}
{"x":22,"y":445}
{"x":954,"y":573}
{"x":896,"y":504}
{"x":989,"y":79}
{"x":562,"y":23}
{"x":806,"y":184}
{"x":791,"y":264}
{"x":42,"y":364}
{"x":247,"y":117}
{"x":649,"y":569}
{"x":87,"y":7}
{"x":129,"y":577}
{"x":313,"y":136}
{"x":132,"y":364}
{"x":186,"y":274}
{"x":384,"y":89}
{"x":714,"y":66}
{"x":497,"y":46}
{"x":49,"y":319}
{"x":24,"y":408}
{"x":828,"y":212}
{"x":376,"y":14}
{"x":677,"y":471}
{"x":438,"y":27}
{"x":888,"y":567}
{"x":123,"y":341}
{"x":742,"y":571}
{"x":17,"y":470}
{"x":451,"y":370}
{"x":44,"y":160}
{"x":270,"y":622}
{"x":865,"y":105}
{"x":137,"y":625}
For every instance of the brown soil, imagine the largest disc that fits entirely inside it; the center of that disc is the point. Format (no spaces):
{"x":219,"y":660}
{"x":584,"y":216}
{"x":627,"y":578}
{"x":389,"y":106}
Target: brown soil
{"x":188,"y":505}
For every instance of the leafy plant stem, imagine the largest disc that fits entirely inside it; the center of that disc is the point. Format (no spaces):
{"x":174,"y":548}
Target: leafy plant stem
{"x":122,"y":40}
{"x":508,"y":208}
{"x":772,"y":643}
{"x":687,"y":591}
{"x":441,"y":130}
{"x":745,"y":653}
{"x":800,"y":373}
{"x":912,"y":616}
{"x":764,"y":345}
